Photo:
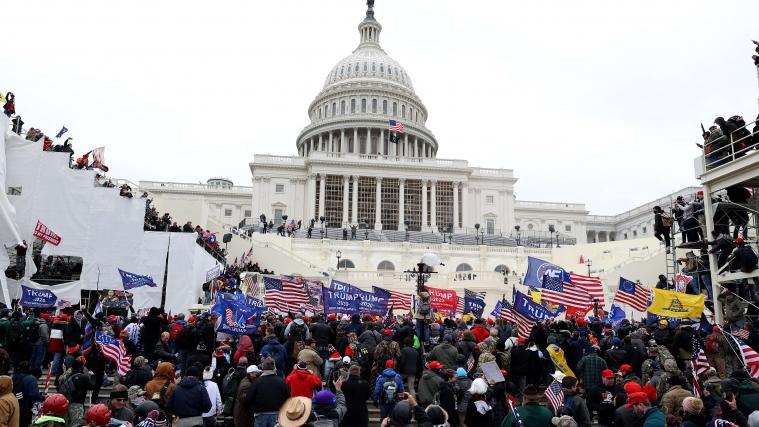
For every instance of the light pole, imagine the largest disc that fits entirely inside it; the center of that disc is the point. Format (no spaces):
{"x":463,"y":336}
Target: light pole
{"x":557,"y":240}
{"x":477,"y":232}
{"x":339,"y":255}
{"x":588,"y":263}
{"x":407,"y":223}
{"x":516,"y":227}
{"x":551,"y":230}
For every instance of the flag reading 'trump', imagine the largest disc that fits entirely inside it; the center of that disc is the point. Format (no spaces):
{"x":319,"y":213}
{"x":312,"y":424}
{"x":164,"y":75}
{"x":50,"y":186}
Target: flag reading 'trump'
{"x":43,"y":233}
{"x":132,"y":280}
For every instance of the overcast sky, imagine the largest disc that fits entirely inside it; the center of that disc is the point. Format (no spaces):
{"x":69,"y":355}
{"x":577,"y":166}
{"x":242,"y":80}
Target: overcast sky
{"x":587,"y":101}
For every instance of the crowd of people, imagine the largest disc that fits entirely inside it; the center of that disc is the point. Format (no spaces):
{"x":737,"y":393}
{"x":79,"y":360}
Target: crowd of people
{"x":327,"y":369}
{"x":726,"y":140}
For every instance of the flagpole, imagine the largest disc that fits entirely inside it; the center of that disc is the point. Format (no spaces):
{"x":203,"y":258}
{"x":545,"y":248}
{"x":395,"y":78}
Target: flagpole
{"x":738,"y":356}
{"x":165,"y":274}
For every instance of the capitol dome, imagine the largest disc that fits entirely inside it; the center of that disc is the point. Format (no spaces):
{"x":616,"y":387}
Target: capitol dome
{"x":363,"y":94}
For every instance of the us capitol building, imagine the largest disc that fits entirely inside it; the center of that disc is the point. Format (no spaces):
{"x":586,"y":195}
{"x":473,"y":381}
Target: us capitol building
{"x":348,"y":172}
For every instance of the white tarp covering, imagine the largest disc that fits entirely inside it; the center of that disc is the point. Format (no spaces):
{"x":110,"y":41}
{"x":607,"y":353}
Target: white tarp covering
{"x":101,"y":227}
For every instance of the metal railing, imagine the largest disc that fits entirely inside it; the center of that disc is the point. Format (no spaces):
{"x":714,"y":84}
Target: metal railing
{"x":727,"y":148}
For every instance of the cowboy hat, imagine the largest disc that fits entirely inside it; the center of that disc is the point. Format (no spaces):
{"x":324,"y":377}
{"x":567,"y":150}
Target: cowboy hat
{"x":295,"y":412}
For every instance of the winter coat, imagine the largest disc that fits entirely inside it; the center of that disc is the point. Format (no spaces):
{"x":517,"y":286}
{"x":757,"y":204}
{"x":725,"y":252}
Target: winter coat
{"x":429,"y":384}
{"x":214,"y":395}
{"x":466,"y":345}
{"x":309,"y":356}
{"x":10,"y":411}
{"x":581,"y":413}
{"x":303,"y":383}
{"x":532,"y":414}
{"x":243,"y":414}
{"x":409,"y":361}
{"x":654,"y":418}
{"x":370,"y":339}
{"x":444,"y":353}
{"x":386,"y":376}
{"x":448,"y":402}
{"x":163,"y":373}
{"x":244,"y":348}
{"x":189,"y":399}
{"x":601,"y":400}
{"x":278,"y":352}
{"x":672,"y":401}
{"x":335,"y":412}
{"x":357,"y":392}
{"x":267,"y":393}
{"x":26,"y":385}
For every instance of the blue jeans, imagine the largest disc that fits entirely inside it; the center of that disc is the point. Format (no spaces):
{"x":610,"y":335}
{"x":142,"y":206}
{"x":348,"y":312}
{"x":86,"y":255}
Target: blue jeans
{"x":386,"y":409}
{"x":56,"y":365}
{"x":38,"y":355}
{"x":265,"y":420}
{"x":423,"y":331}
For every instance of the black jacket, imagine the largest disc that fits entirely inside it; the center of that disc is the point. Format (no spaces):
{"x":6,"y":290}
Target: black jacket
{"x":601,"y":400}
{"x":520,"y":360}
{"x":408,"y":362}
{"x":189,"y":399}
{"x":267,"y":393}
{"x":357,"y":392}
{"x":448,"y":402}
{"x":322,"y":334}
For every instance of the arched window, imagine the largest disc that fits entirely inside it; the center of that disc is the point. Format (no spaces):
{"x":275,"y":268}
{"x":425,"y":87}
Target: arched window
{"x":342,"y":68}
{"x":374,"y":106}
{"x":334,"y":105}
{"x":395,"y":109}
{"x":410,"y":113}
{"x":353,"y":105}
{"x":386,"y":266}
{"x":464,"y":267}
{"x":320,"y":112}
{"x":345,"y":263}
{"x":364,"y":66}
{"x":403,"y":111}
{"x":530,"y":226}
{"x":390,"y":71}
{"x":374,"y":67}
{"x":503,"y":269}
{"x":382,"y":69}
{"x":356,"y":68}
{"x":342,"y":107}
{"x":363,"y":105}
{"x":384,"y":106}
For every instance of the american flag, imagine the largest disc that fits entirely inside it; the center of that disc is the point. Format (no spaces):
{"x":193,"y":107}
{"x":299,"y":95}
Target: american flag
{"x":470,"y":363}
{"x":557,"y":291}
{"x":699,"y":364}
{"x":742,"y":334}
{"x":513,"y":410}
{"x":719,"y":422}
{"x":398,"y":300}
{"x":591,"y":285}
{"x":474,"y":294}
{"x":284,"y":296}
{"x":506,"y":312}
{"x":750,"y":357}
{"x":555,"y":394}
{"x":633,"y":294}
{"x":89,"y":331}
{"x":394,"y":126}
{"x":114,"y":350}
{"x":459,"y":305}
{"x":251,"y":280}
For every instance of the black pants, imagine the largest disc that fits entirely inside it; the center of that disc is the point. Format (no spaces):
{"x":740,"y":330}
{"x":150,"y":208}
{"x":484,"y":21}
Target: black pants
{"x":663,"y":233}
{"x":692,"y":230}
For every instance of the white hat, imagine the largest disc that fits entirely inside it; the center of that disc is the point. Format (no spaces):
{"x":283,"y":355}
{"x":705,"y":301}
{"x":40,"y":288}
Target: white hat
{"x":253,"y":369}
{"x":558,"y":376}
{"x":346,"y":360}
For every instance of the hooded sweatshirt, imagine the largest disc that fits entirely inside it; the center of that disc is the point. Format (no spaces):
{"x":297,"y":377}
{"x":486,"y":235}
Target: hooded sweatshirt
{"x":303,"y":383}
{"x":9,"y":409}
{"x":163,"y":373}
{"x":387,"y":375}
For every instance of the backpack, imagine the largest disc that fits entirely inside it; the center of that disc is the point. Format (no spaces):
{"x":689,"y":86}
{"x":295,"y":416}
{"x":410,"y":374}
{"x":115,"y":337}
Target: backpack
{"x":424,"y":308}
{"x":159,"y":397}
{"x":737,"y":120}
{"x":175,"y":330}
{"x":322,"y":421}
{"x":666,"y":219}
{"x":230,"y":383}
{"x":68,"y":389}
{"x":14,"y":338}
{"x":389,"y":390}
{"x":297,"y":332}
{"x":748,"y":258}
{"x":362,"y":355}
{"x":712,"y":346}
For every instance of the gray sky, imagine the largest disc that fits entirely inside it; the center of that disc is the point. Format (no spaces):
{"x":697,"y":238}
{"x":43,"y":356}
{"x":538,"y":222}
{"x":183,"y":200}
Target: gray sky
{"x":588,"y":101}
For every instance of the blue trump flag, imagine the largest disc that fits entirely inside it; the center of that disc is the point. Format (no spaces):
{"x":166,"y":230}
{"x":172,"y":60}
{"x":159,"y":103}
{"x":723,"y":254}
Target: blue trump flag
{"x":537,"y":268}
{"x":235,"y":317}
{"x":475,"y":305}
{"x":37,"y":298}
{"x":530,"y":309}
{"x":339,"y":301}
{"x":497,"y":309}
{"x":368,"y":302}
{"x":616,"y":314}
{"x":132,"y":280}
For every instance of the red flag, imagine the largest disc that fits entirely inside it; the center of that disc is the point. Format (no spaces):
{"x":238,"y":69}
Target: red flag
{"x":43,"y":233}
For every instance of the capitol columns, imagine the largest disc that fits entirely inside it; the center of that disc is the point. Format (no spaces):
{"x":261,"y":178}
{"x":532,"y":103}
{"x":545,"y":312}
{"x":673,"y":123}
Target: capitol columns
{"x":406,"y":147}
{"x":343,"y":142}
{"x":321,"y":147}
{"x":424,"y":205}
{"x":455,"y":207}
{"x":322,"y":191}
{"x":433,"y":203}
{"x":354,"y":215}
{"x":346,"y":198}
{"x":381,"y":143}
{"x":401,"y":205}
{"x":356,"y":145}
{"x":378,"y":204}
{"x":465,"y":216}
{"x":310,"y":197}
{"x":331,"y":147}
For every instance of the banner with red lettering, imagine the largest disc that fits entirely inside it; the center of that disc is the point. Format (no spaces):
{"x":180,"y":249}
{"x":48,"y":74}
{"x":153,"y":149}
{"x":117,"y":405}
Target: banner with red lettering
{"x":442,"y":299}
{"x":43,"y":233}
